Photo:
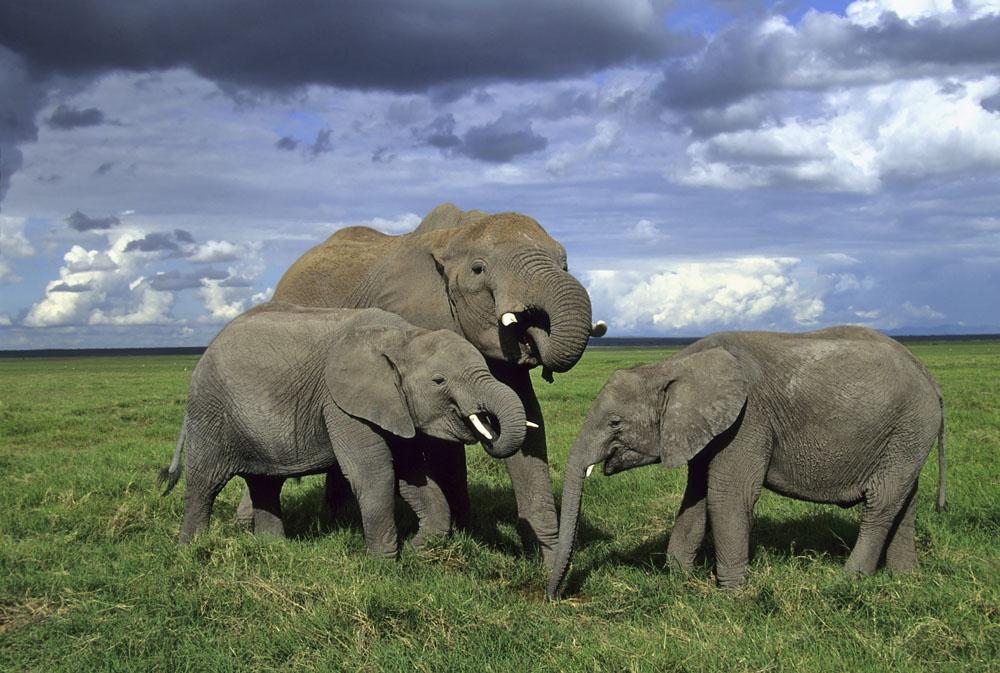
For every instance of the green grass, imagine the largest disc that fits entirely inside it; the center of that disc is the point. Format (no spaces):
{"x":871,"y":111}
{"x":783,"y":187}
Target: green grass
{"x":91,"y":577}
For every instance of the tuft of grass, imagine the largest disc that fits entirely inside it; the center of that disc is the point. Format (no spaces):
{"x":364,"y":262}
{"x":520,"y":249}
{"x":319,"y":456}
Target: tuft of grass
{"x":91,"y":577}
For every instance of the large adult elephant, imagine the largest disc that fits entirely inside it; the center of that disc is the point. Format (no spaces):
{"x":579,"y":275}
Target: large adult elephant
{"x":498,"y":280}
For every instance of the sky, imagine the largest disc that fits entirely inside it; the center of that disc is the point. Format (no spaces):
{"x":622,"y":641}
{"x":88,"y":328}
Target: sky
{"x":707,"y":165}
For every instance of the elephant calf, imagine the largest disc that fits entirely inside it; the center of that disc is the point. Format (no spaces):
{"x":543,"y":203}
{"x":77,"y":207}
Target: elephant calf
{"x":841,"y":415}
{"x":285,"y":391}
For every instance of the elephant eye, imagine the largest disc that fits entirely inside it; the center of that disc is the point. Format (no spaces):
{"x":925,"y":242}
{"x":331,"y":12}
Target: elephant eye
{"x":438,"y":379}
{"x":478,"y":267}
{"x":615,"y":421}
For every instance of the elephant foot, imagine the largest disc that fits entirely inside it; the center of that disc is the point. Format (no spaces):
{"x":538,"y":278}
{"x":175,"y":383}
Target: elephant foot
{"x":265,"y":523}
{"x":383,"y":553}
{"x":423,"y":538}
{"x":244,"y":513}
{"x":855,"y":568}
{"x":731,"y":582}
{"x":677,"y":565}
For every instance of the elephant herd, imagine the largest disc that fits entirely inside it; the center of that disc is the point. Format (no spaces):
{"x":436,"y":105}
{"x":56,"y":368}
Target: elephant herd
{"x":379,"y":357}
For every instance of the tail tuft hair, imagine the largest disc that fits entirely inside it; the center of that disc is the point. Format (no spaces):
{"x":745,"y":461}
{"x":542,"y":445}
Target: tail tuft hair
{"x":169,"y":478}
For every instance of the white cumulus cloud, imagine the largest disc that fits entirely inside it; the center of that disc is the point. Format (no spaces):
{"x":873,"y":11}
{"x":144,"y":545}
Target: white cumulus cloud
{"x":703,"y":296}
{"x":912,"y":129}
{"x":13,"y":243}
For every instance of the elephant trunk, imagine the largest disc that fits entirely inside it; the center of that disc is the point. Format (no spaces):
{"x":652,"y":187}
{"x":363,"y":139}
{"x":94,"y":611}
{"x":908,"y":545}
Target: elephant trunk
{"x":565,"y":302}
{"x":581,"y":457}
{"x":507,"y":411}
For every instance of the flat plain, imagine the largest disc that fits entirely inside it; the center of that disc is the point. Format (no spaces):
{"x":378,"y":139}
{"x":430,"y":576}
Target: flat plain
{"x":91,"y":576}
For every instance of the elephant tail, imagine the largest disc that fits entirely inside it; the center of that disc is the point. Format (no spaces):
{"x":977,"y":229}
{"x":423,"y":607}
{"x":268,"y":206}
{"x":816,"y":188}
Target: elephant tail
{"x":941,"y":505}
{"x":171,"y":474}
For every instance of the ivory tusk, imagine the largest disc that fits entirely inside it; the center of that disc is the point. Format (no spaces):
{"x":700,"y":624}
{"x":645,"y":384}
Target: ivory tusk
{"x":480,"y":428}
{"x":508,"y":319}
{"x":530,"y":424}
{"x":589,"y":470}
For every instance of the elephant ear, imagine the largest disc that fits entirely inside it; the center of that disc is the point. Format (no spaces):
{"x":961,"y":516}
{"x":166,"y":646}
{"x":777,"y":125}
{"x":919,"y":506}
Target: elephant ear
{"x":363,"y":379}
{"x":704,"y":395}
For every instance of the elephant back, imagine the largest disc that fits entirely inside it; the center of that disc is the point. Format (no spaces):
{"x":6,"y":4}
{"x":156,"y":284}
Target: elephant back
{"x":327,"y":274}
{"x":448,"y":216}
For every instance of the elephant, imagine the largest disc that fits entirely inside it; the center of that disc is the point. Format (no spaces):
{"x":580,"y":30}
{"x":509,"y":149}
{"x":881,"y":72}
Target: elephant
{"x":501,"y":282}
{"x":285,"y":391}
{"x":842,"y":415}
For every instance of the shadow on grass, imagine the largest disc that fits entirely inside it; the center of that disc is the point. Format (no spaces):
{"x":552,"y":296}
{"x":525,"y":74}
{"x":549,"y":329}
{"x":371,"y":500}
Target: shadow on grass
{"x":825,"y":533}
{"x":493,"y":520}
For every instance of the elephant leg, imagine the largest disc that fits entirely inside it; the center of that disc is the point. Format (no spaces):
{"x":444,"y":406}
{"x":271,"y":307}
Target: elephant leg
{"x":689,"y":528}
{"x":422,"y":495}
{"x":538,"y":524}
{"x":885,"y":501}
{"x":200,"y":491}
{"x":901,"y":554}
{"x":444,"y":464}
{"x":244,"y":511}
{"x":367,"y":463}
{"x":265,"y":492}
{"x":735,"y":478}
{"x":337,"y":490}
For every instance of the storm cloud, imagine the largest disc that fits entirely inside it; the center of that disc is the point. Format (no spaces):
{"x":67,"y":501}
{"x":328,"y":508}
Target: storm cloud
{"x":68,"y":117}
{"x":498,"y":141}
{"x":81,"y":222}
{"x":397,"y":45}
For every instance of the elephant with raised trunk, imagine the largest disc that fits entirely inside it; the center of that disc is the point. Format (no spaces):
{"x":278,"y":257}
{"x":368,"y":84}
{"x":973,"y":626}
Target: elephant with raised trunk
{"x":501,"y":282}
{"x":842,"y":415}
{"x":285,"y":391}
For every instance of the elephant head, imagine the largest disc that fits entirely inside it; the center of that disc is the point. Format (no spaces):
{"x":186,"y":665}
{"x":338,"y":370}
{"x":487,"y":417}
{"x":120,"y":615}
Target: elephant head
{"x":406,"y":381}
{"x":661,"y":413}
{"x":510,"y":292}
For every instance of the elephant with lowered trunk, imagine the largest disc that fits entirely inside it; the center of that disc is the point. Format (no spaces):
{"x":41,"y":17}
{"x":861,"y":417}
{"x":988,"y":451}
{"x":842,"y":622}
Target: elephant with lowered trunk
{"x":285,"y":391}
{"x":842,"y":415}
{"x":501,"y":282}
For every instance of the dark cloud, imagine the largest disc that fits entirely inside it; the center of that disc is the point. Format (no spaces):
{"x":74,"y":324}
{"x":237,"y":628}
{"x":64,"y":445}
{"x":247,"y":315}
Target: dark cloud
{"x":67,"y":287}
{"x":105,"y":168}
{"x":81,"y":222}
{"x":287,"y":143}
{"x":440,"y":133}
{"x":68,"y":117}
{"x":382,"y":155}
{"x":153,"y":242}
{"x":397,"y":44}
{"x":23,"y":95}
{"x":502,"y":140}
{"x":825,"y":50}
{"x":991,"y":103}
{"x":183,"y":236}
{"x":175,"y":280}
{"x":50,"y":179}
{"x":499,"y":141}
{"x":322,"y":144}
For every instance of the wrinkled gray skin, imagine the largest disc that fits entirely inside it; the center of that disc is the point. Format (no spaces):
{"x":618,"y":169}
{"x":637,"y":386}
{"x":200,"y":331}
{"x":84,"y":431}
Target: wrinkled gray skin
{"x":285,"y":391}
{"x":843,"y":415}
{"x":462,"y":271}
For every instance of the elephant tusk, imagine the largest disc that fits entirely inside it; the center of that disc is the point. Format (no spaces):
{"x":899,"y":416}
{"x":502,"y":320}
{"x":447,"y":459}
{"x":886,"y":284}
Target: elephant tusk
{"x":480,"y":428}
{"x":599,"y":329}
{"x":508,"y":319}
{"x":531,"y":425}
{"x":590,"y":470}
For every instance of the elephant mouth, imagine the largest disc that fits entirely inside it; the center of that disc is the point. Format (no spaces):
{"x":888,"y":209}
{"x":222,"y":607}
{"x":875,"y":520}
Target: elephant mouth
{"x":519,"y":341}
{"x":623,"y":458}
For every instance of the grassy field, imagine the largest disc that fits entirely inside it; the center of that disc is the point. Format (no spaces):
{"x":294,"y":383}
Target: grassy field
{"x":91,"y":577}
